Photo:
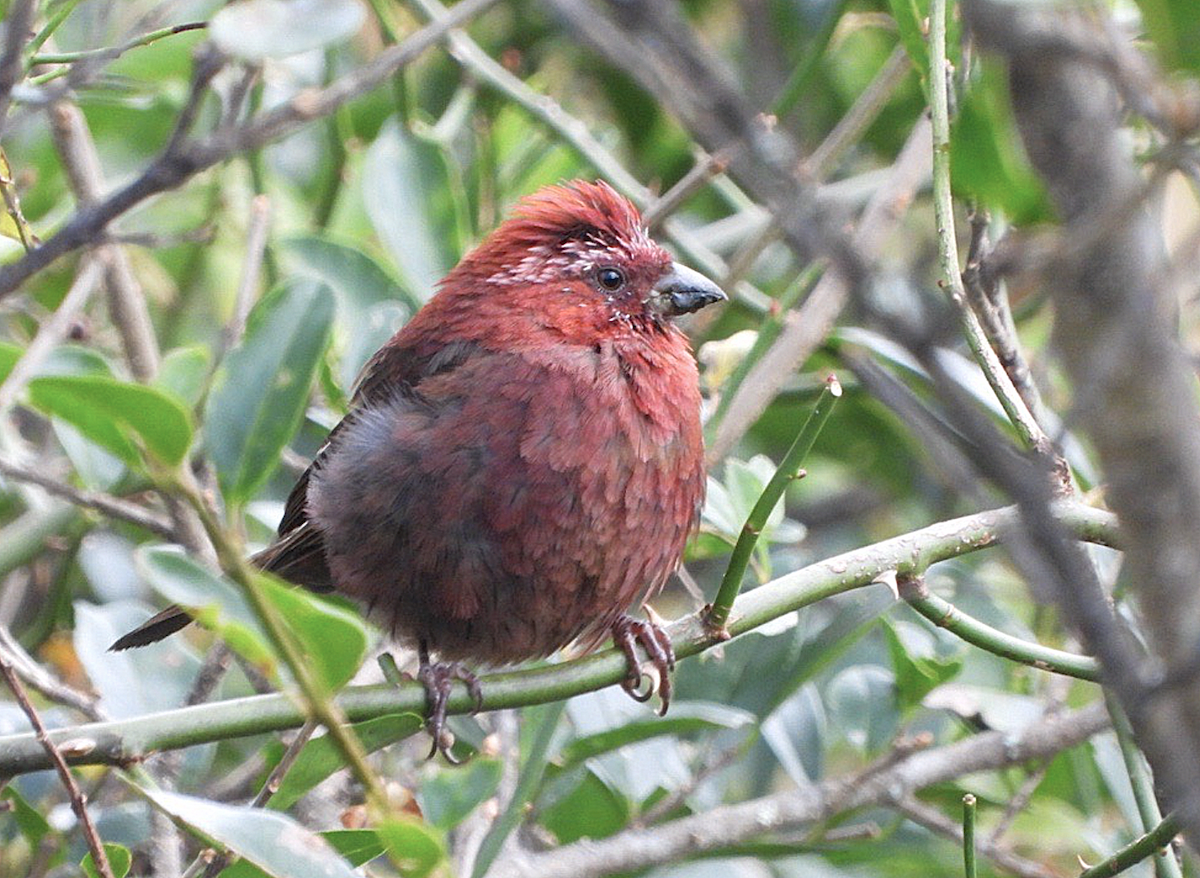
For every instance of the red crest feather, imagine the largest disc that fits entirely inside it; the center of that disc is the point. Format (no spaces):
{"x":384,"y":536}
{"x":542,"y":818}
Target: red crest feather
{"x":542,"y":222}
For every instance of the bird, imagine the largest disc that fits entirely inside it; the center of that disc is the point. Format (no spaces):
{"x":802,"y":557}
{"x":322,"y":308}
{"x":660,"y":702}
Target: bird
{"x":521,"y":464}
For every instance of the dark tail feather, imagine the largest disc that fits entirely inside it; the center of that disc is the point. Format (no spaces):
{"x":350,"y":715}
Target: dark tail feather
{"x":298,"y":556}
{"x":154,"y":629}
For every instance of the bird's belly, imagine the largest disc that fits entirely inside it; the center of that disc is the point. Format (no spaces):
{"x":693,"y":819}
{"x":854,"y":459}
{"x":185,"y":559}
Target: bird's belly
{"x":503,"y":531}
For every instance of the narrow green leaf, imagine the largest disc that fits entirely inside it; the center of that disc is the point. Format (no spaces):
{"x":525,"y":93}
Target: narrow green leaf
{"x":536,"y":734}
{"x":357,"y":846}
{"x":592,"y":809}
{"x":910,"y":17}
{"x":261,"y":389}
{"x":686,"y":718}
{"x":1174,"y":26}
{"x":320,"y":757}
{"x":371,"y":304}
{"x":406,"y":196}
{"x":118,"y":857}
{"x":334,"y":639}
{"x":449,"y":796}
{"x":411,"y":844}
{"x":919,"y":669}
{"x":215,"y":602}
{"x":183,"y":371}
{"x":273,"y":842}
{"x":121,"y":417}
{"x":30,"y":822}
{"x":987,"y":161}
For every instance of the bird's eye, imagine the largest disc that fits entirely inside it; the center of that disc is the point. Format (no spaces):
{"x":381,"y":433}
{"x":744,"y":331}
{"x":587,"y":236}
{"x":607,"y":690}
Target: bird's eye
{"x":612,"y":279}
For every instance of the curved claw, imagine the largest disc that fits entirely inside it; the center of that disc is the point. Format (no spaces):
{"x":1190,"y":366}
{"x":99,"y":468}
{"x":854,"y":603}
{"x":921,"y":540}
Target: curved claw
{"x":628,"y":633}
{"x":438,"y":678}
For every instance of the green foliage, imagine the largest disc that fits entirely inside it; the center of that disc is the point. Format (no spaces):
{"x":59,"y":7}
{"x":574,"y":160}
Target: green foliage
{"x":119,"y":858}
{"x":319,"y":758}
{"x":1174,"y":26}
{"x":987,"y":162}
{"x":369,"y":208}
{"x":277,"y":845}
{"x":261,"y":388}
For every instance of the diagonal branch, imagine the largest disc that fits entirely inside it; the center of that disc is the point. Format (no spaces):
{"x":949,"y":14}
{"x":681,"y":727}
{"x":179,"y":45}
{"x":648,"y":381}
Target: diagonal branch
{"x":182,"y":160}
{"x":120,"y":742}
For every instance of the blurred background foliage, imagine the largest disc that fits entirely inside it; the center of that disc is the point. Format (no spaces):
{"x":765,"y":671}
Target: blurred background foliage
{"x":367,"y":209}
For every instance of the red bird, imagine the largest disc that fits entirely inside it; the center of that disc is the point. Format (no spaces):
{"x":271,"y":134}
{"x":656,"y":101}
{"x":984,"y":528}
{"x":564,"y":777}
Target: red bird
{"x":522,"y":463}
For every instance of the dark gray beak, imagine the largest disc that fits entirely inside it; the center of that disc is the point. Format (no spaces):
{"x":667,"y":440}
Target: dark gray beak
{"x":682,"y":291}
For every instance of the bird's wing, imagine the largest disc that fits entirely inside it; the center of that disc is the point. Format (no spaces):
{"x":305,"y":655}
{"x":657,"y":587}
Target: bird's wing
{"x":393,"y":369}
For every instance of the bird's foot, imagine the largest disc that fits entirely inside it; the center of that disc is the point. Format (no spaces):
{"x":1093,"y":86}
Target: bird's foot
{"x":438,"y":679}
{"x":628,"y":633}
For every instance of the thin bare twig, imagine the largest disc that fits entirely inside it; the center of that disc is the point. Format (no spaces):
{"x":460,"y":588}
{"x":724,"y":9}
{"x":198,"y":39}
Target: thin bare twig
{"x":16,"y":30}
{"x":53,"y":330}
{"x":114,"y":507}
{"x":78,"y":800}
{"x":865,"y":110}
{"x":180,"y":160}
{"x":256,"y":244}
{"x":806,"y":327}
{"x":45,"y":683}
{"x":727,"y":825}
{"x":706,"y":167}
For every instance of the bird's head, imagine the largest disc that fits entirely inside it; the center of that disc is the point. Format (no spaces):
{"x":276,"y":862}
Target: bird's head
{"x":582,"y":246}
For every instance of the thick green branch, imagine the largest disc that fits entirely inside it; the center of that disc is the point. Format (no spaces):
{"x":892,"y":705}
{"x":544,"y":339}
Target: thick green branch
{"x":789,"y":469}
{"x":945,"y":615}
{"x":130,"y":740}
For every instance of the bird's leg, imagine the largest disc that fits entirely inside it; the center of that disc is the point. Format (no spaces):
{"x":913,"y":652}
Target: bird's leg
{"x":438,"y":678}
{"x":628,"y":633}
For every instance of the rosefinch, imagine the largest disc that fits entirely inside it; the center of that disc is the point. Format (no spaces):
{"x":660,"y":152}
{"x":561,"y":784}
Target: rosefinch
{"x":522,"y":463}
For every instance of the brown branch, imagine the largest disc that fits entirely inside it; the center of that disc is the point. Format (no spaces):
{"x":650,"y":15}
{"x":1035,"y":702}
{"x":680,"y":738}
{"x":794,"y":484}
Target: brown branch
{"x":78,"y":799}
{"x":182,"y":160}
{"x":114,"y":507}
{"x":806,"y":327}
{"x":1115,"y":330}
{"x":728,"y":825}
{"x":45,"y":683}
{"x":16,"y":30}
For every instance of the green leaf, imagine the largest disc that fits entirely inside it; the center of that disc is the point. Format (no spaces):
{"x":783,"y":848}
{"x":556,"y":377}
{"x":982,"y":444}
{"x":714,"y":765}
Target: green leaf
{"x":334,"y":639}
{"x":592,"y":809}
{"x":537,"y":733}
{"x":1174,"y":26}
{"x":183,"y":372}
{"x":320,"y":757}
{"x":30,"y":822}
{"x":405,"y":193}
{"x":261,"y":389}
{"x":449,"y":796}
{"x":987,"y":161}
{"x":413,"y":845}
{"x":357,"y":846}
{"x":684,"y":719}
{"x":273,"y":842}
{"x":120,"y":417}
{"x":118,"y":857}
{"x":861,"y":700}
{"x":916,"y":663}
{"x":357,"y":279}
{"x":910,"y":17}
{"x":371,"y":304}
{"x":214,"y":602}
{"x":258,"y":29}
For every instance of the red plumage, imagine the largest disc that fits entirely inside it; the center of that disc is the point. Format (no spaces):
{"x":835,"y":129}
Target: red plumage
{"x":523,"y":460}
